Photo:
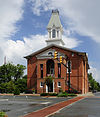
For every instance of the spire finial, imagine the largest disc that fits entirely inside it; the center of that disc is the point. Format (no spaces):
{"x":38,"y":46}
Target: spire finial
{"x":55,"y":11}
{"x":5,"y":60}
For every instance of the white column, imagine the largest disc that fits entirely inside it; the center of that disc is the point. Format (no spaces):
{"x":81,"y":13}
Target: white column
{"x":48,"y":35}
{"x":46,"y":89}
{"x":56,"y":33}
{"x":60,"y":34}
{"x":51,"y":34}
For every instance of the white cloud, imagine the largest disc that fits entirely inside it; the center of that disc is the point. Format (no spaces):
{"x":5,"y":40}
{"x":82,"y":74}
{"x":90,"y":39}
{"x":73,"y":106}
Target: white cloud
{"x":71,"y":42}
{"x":10,"y":12}
{"x":37,"y":6}
{"x":95,"y":72}
{"x":16,"y":50}
{"x":83,"y":15}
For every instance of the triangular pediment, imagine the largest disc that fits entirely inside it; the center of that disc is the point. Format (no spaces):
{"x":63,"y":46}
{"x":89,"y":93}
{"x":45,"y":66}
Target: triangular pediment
{"x":48,"y":54}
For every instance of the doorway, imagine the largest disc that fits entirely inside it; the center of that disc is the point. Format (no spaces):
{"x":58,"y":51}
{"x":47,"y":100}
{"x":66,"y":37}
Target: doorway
{"x":51,"y":88}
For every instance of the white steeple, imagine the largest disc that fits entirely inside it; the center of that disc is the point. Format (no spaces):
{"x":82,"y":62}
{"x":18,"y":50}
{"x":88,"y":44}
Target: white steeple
{"x":55,"y":29}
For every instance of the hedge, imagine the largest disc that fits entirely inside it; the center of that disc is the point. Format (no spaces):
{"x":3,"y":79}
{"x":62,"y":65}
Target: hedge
{"x":62,"y":94}
{"x":48,"y":94}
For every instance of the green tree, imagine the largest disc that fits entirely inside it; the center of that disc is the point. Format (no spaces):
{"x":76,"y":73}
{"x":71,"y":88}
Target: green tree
{"x":25,"y":77}
{"x":16,"y":91}
{"x":19,"y":72}
{"x":10,"y":87}
{"x":21,"y":84}
{"x":94,"y":85}
{"x":10,"y":75}
{"x":10,"y":72}
{"x":3,"y":88}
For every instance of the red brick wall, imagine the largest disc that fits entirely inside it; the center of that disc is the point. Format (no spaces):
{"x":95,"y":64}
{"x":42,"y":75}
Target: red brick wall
{"x":31,"y":73}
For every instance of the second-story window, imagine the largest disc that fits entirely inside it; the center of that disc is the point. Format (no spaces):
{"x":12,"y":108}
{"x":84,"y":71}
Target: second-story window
{"x":41,"y":68}
{"x":53,"y":33}
{"x":59,"y":70}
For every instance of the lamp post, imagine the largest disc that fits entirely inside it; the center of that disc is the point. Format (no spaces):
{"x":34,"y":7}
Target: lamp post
{"x":69,"y":70}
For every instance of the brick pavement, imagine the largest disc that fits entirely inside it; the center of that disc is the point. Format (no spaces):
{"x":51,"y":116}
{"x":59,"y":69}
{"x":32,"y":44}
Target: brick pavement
{"x":53,"y":108}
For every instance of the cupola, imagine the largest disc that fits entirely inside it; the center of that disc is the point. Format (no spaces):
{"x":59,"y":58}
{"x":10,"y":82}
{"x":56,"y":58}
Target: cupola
{"x":55,"y":29}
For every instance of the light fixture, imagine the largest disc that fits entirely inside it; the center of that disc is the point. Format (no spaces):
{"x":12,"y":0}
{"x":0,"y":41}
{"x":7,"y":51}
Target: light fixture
{"x":72,"y":54}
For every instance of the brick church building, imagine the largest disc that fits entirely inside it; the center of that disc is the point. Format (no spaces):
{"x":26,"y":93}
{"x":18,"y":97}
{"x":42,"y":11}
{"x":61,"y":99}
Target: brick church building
{"x":42,"y":63}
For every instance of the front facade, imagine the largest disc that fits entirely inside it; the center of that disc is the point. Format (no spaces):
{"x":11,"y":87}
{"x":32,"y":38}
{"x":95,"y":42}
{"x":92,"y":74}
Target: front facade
{"x":42,"y":64}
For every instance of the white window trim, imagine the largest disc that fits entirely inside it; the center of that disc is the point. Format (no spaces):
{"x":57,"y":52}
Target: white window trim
{"x":57,"y":33}
{"x":58,"y":85}
{"x":41,"y":85}
{"x":50,"y":35}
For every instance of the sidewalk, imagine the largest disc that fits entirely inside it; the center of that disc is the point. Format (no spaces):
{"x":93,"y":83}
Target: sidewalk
{"x":87,"y":94}
{"x":53,"y":108}
{"x":21,"y":94}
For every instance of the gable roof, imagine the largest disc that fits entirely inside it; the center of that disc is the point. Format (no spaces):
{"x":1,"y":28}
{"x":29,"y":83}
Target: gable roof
{"x":53,"y":45}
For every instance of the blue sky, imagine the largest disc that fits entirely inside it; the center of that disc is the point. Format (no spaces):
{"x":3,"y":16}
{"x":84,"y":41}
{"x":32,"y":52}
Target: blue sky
{"x":23,"y":28}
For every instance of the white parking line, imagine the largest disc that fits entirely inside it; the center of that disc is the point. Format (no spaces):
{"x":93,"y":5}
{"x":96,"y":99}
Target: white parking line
{"x":3,"y":99}
{"x":45,"y":102}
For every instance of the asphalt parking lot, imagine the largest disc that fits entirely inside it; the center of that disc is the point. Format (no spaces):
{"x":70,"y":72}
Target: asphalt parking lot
{"x":88,"y":107}
{"x":16,"y":106}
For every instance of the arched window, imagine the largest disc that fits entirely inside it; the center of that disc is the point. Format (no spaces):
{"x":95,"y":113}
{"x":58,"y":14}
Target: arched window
{"x":50,"y":67}
{"x":53,"y":33}
{"x":49,"y":34}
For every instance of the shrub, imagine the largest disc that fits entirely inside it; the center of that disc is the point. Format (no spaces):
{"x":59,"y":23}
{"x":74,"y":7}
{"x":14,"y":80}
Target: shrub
{"x":62,"y":94}
{"x":72,"y":94}
{"x":60,"y":89}
{"x":53,"y":94}
{"x":74,"y":91}
{"x":33,"y":90}
{"x":3,"y":114}
{"x":16,"y":91}
{"x":28,"y":91}
{"x":44,"y":94}
{"x":48,"y":94}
